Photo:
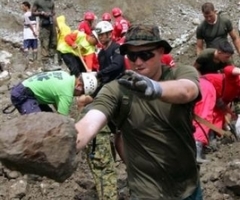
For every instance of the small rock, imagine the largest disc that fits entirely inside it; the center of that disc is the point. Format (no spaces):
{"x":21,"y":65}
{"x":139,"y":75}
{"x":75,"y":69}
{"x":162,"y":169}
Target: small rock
{"x":13,"y":175}
{"x":214,"y":177}
{"x":43,"y":188}
{"x":54,"y":185}
{"x":18,"y":189}
{"x":196,"y":21}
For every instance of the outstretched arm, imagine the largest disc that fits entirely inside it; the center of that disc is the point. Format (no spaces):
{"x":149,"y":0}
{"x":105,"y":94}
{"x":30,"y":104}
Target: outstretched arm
{"x":179,"y":91}
{"x":89,"y":126}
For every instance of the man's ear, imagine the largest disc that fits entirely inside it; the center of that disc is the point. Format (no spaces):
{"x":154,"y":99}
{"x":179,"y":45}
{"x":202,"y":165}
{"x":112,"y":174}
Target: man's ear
{"x":79,"y":84}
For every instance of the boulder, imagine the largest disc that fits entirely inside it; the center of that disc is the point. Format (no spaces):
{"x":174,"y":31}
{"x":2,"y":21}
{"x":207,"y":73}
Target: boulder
{"x":40,"y":143}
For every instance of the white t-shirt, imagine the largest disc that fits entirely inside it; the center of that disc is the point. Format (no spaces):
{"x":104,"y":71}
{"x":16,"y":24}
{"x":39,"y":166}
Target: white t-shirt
{"x":29,"y":19}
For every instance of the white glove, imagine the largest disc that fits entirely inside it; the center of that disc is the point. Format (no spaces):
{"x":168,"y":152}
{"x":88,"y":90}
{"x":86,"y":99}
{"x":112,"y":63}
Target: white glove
{"x":237,"y":126}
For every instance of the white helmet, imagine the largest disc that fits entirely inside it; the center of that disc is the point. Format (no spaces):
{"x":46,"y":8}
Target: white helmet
{"x":90,"y":83}
{"x":103,"y":27}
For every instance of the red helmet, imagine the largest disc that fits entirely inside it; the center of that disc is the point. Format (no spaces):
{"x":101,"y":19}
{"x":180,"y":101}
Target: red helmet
{"x":116,"y":12}
{"x":106,"y":17}
{"x":89,"y":16}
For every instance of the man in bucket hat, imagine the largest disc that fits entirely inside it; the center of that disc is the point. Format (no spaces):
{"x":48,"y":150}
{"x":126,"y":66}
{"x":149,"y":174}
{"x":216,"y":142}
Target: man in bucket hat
{"x":159,"y":148}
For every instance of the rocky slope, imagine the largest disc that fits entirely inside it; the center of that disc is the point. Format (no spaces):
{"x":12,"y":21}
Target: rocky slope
{"x":177,"y":20}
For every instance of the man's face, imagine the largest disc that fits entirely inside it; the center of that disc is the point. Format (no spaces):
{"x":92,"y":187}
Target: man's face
{"x":145,"y":60}
{"x":104,"y":38}
{"x":78,"y":90}
{"x":224,"y":57}
{"x":23,"y":7}
{"x":210,"y":17}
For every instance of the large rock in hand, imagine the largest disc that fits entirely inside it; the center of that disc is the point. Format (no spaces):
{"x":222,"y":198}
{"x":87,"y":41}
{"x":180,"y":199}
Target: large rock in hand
{"x":40,"y":143}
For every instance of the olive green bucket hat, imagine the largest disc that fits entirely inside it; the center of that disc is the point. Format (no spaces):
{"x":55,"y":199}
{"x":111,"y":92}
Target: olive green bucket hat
{"x":139,"y":35}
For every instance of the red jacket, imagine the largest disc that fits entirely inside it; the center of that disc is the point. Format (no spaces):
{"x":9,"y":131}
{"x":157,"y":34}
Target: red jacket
{"x":85,"y":27}
{"x":120,"y":27}
{"x":226,"y":84}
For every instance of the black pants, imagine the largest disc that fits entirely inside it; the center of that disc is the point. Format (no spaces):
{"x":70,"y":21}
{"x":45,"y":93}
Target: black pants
{"x":73,"y":63}
{"x":25,"y":101}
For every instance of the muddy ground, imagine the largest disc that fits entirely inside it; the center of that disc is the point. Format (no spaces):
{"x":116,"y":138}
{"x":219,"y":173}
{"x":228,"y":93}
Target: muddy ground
{"x":177,"y":20}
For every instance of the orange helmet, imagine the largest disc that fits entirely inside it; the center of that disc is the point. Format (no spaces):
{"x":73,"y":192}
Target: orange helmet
{"x":116,"y":12}
{"x":89,"y":16}
{"x":106,"y":17}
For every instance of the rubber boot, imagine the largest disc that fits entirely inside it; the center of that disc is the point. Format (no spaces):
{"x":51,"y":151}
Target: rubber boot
{"x":200,"y":158}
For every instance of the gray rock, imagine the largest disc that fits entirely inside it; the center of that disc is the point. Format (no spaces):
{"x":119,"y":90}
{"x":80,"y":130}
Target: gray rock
{"x":3,"y":192}
{"x":43,"y":188}
{"x":231,"y":177}
{"x":3,"y":88}
{"x":40,"y":143}
{"x":196,"y":21}
{"x":11,"y":174}
{"x":18,"y":189}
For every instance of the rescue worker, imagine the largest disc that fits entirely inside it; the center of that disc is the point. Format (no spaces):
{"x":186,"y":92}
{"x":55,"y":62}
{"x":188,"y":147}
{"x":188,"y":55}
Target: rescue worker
{"x":78,"y":52}
{"x":47,"y":31}
{"x":111,"y":63}
{"x":215,"y":29}
{"x":214,"y":103}
{"x":120,"y":25}
{"x":159,"y":147}
{"x":57,"y":88}
{"x":62,"y":30}
{"x":213,"y":60}
{"x":106,"y":17}
{"x":101,"y":161}
{"x":86,"y":25}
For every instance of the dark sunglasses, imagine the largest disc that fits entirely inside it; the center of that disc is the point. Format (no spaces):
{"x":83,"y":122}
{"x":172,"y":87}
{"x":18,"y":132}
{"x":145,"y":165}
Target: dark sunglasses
{"x":143,"y":55}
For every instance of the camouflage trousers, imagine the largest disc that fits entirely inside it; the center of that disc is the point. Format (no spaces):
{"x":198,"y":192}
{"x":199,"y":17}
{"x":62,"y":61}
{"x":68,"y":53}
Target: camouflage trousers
{"x":102,"y":165}
{"x":48,"y":41}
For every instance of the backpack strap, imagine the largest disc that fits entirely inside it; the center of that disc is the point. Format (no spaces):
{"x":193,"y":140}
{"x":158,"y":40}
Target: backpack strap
{"x":126,"y":102}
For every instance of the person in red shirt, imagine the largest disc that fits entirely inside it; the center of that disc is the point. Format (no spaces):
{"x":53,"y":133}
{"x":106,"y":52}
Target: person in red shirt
{"x":86,"y":25}
{"x":214,"y":104}
{"x":120,"y":25}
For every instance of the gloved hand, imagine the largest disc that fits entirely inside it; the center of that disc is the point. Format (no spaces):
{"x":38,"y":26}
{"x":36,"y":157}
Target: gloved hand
{"x":141,"y":85}
{"x":237,"y":126}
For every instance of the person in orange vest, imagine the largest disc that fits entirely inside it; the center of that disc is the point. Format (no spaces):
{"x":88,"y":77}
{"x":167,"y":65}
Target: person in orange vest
{"x":78,"y":52}
{"x":106,"y":17}
{"x":86,"y":25}
{"x":120,"y":25}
